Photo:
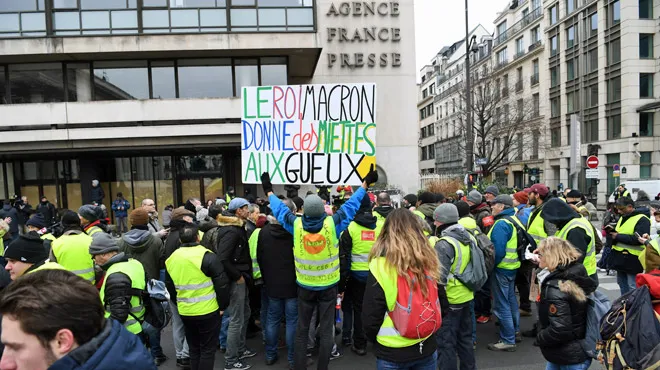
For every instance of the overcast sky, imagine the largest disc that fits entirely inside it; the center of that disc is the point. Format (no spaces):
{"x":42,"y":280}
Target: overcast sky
{"x":440,"y":23}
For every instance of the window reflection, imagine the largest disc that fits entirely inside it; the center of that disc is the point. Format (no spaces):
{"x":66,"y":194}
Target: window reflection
{"x":205,"y":78}
{"x":162,"y":78}
{"x":79,"y":82}
{"x":36,"y":83}
{"x":247,"y":74}
{"x":273,"y":71}
{"x":121,"y":80}
{"x":243,"y":17}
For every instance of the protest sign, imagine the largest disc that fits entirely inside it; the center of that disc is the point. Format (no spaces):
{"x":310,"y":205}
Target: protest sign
{"x":308,"y":134}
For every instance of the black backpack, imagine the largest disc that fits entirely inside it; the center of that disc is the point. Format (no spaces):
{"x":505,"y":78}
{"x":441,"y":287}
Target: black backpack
{"x":156,"y":301}
{"x":524,"y":239}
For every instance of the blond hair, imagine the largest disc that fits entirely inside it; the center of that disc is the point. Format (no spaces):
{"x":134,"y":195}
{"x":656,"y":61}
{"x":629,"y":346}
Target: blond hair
{"x":557,"y":252}
{"x":405,"y":247}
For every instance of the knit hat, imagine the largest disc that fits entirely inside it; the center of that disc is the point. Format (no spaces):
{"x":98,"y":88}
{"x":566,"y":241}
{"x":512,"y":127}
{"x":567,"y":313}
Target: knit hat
{"x":460,"y":192}
{"x":539,"y":189}
{"x":299,"y":202}
{"x":37,"y":220}
{"x":313,"y":206}
{"x":411,"y":198}
{"x":493,"y":190}
{"x":102,"y":243}
{"x":475,"y":197}
{"x":365,"y":204}
{"x":70,"y":218}
{"x":190,"y":206}
{"x":521,"y":197}
{"x":446,"y":213}
{"x":90,"y":213}
{"x":427,"y":197}
{"x":139,"y":217}
{"x":502,"y":199}
{"x":178,"y":213}
{"x":237,"y":203}
{"x":463,"y":208}
{"x":28,"y":248}
{"x":575,"y":194}
{"x":557,"y":211}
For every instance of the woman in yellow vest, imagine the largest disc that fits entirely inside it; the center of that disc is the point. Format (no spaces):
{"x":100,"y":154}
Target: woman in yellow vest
{"x":401,"y":247}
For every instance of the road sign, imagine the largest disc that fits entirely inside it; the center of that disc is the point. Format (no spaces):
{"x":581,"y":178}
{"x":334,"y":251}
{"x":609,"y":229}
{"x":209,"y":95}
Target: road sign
{"x":591,"y":173}
{"x":616,"y":170}
{"x":481,"y":161}
{"x":616,"y":167}
{"x":592,"y":162}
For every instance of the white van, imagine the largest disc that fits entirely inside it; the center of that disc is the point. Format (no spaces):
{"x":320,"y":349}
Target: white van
{"x":651,"y":187}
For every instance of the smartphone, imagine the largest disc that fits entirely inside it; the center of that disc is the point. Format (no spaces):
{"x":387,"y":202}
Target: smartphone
{"x":637,"y":235}
{"x":578,"y":204}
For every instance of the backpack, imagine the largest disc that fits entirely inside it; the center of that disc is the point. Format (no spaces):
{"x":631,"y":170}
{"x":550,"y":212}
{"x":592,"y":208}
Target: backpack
{"x":156,"y":301}
{"x":486,"y":247}
{"x":414,"y":316}
{"x":475,"y":275}
{"x":525,"y":241}
{"x":630,"y":331}
{"x":597,"y":306}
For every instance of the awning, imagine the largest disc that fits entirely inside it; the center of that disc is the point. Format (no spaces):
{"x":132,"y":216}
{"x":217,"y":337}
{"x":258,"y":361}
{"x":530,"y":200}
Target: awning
{"x":649,"y":107}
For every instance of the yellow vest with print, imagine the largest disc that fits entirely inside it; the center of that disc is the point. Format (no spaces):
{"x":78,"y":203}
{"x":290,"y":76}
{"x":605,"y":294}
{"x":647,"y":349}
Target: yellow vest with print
{"x":457,"y":292}
{"x":134,"y":270}
{"x":628,"y":228}
{"x":510,"y":260}
{"x":582,"y":223}
{"x":254,"y":238}
{"x":72,"y":252}
{"x":364,"y":239}
{"x":316,"y":255}
{"x":195,"y":293}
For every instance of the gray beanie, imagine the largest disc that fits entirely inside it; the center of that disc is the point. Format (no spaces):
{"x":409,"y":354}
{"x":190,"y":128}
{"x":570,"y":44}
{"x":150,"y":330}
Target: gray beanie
{"x":475,"y":197}
{"x":314,"y":206}
{"x":503,"y":199}
{"x":102,"y":243}
{"x":446,"y":213}
{"x":90,"y":212}
{"x":493,"y":190}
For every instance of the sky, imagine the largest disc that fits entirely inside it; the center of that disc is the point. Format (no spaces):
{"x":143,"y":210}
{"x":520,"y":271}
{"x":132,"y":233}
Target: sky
{"x":440,"y":23}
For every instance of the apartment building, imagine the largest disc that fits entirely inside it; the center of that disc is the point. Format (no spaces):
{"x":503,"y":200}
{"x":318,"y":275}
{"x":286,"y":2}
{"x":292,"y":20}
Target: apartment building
{"x":603,"y":64}
{"x":427,"y":117}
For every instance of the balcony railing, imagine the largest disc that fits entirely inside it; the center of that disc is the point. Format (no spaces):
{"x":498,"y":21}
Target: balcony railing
{"x":535,"y":45}
{"x":519,"y":86}
{"x":519,"y":54}
{"x":500,"y":64}
{"x":505,"y":92}
{"x":534,"y":79}
{"x":524,"y":22}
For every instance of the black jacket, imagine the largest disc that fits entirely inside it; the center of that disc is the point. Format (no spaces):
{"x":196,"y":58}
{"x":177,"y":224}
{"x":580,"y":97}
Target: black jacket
{"x":365,"y":219}
{"x":642,"y":227}
{"x":213,"y":268}
{"x":250,"y":227}
{"x":232,"y":247}
{"x":117,"y":290}
{"x":9,"y":211}
{"x":97,"y":194}
{"x":48,"y":211}
{"x":275,"y":256}
{"x":563,"y":314}
{"x":209,"y":227}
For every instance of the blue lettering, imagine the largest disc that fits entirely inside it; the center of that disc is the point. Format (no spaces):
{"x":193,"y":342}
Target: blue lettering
{"x":285,"y":134}
{"x":247,"y":126}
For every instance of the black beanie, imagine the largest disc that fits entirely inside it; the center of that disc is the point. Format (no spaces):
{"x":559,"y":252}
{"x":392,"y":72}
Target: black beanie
{"x":70,"y":218}
{"x":37,"y":220}
{"x":463,"y":208}
{"x":28,"y":248}
{"x":427,"y":197}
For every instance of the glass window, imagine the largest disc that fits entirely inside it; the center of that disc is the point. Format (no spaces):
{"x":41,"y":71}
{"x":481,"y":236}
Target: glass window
{"x":124,"y":19}
{"x":553,"y":15}
{"x":243,"y":17}
{"x":19,"y":6}
{"x":59,"y":4}
{"x":3,"y":93}
{"x":162,"y":80}
{"x":184,"y":18}
{"x":520,"y":46}
{"x":79,"y":82}
{"x":646,"y":45}
{"x":554,"y":40}
{"x":646,"y":85}
{"x":123,"y":80}
{"x":592,"y":60}
{"x":645,"y":165}
{"x":205,"y":78}
{"x":570,"y":101}
{"x":570,"y":6}
{"x":535,"y":34}
{"x":645,"y":9}
{"x":613,"y":51}
{"x":273,"y":71}
{"x":570,"y":70}
{"x":36,"y":83}
{"x":95,"y":20}
{"x":646,"y":124}
{"x":242,"y":2}
{"x":105,"y":4}
{"x":32,"y":22}
{"x":272,"y":17}
{"x":30,"y":171}
{"x":554,"y":76}
{"x":614,"y":89}
{"x":615,"y":13}
{"x":300,"y":17}
{"x":266,"y":3}
{"x":66,"y":20}
{"x":143,"y":178}
{"x":614,"y":127}
{"x":154,"y":3}
{"x":155,"y":18}
{"x":213,"y":17}
{"x":593,"y":24}
{"x":555,"y":137}
{"x":591,"y":96}
{"x":570,"y":37}
{"x":9,"y":22}
{"x":554,"y":107}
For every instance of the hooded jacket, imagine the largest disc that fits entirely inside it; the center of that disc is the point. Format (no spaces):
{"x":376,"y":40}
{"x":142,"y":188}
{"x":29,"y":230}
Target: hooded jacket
{"x":142,"y":245}
{"x":384,"y":211}
{"x":480,"y":212}
{"x":427,"y":210}
{"x":275,"y":256}
{"x":500,"y":235}
{"x":445,"y":250}
{"x":232,"y":246}
{"x":9,"y":211}
{"x":113,"y":348}
{"x":366,"y":219}
{"x":209,"y":227}
{"x":563,"y":314}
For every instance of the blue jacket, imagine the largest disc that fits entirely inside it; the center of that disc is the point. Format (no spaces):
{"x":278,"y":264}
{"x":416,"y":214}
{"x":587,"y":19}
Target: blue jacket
{"x":120,"y":203}
{"x":500,"y":234}
{"x":113,"y":348}
{"x":523,"y":212}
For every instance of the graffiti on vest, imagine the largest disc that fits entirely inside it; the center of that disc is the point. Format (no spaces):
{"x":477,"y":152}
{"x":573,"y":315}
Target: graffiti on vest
{"x":314,"y":243}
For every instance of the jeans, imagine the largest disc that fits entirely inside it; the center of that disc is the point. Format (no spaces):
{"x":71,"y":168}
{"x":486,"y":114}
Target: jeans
{"x":583,"y":366}
{"x":474,"y":322}
{"x":355,"y":290}
{"x":239,"y":310}
{"x":523,"y":283}
{"x":263,"y":313}
{"x":154,"y":339}
{"x":482,"y":303}
{"x":455,"y":338}
{"x":325,"y":301}
{"x":178,"y":334}
{"x":347,"y":311}
{"x":122,"y":226}
{"x":223,"y":330}
{"x":202,"y":334}
{"x":505,"y":306}
{"x":427,"y":363}
{"x":626,"y":281}
{"x":278,"y":307}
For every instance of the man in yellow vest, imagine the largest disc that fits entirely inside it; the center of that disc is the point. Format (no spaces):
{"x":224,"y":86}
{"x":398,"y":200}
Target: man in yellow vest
{"x":354,"y":246}
{"x":316,"y":257}
{"x":626,"y":248}
{"x":383,"y":207}
{"x":621,"y":191}
{"x":37,"y":223}
{"x":470,"y":224}
{"x":27,"y":254}
{"x":574,"y":199}
{"x":123,"y":276}
{"x":453,"y":249}
{"x":505,"y":304}
{"x":71,"y":250}
{"x":90,"y":219}
{"x":198,"y":277}
{"x":652,"y":244}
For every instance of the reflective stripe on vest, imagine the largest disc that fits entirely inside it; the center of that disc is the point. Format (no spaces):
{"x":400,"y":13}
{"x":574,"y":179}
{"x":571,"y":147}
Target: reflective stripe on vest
{"x":628,"y":228}
{"x":194,"y":290}
{"x":458,"y":293}
{"x":386,"y":276}
{"x":134,"y":270}
{"x":537,"y":229}
{"x":93,"y":230}
{"x":510,"y":260}
{"x":316,"y":255}
{"x":254,"y":238}
{"x":582,"y":223}
{"x":363,"y":240}
{"x":72,"y":252}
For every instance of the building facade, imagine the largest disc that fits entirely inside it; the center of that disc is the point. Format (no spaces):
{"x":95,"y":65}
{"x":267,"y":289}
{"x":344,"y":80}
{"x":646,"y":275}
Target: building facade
{"x":427,"y":118}
{"x":144,"y":95}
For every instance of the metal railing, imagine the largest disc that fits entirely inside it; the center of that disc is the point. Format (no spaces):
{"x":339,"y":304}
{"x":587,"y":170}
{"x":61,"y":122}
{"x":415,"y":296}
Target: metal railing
{"x":535,"y":45}
{"x":519,"y":54}
{"x":534,"y":79}
{"x":519,"y":86}
{"x":524,"y":22}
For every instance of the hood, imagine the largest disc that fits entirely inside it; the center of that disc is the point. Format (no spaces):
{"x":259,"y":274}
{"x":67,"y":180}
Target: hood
{"x":277,"y":231}
{"x":558,"y":212}
{"x":427,"y":209}
{"x":119,"y":257}
{"x":478,"y":208}
{"x":457,"y":232}
{"x":642,"y":196}
{"x":506,"y":212}
{"x":229,"y":220}
{"x":642,"y":210}
{"x":313,"y":224}
{"x":366,"y":219}
{"x":384,"y":210}
{"x":207,"y":224}
{"x":137,"y":239}
{"x":572,"y":280}
{"x":6,"y":207}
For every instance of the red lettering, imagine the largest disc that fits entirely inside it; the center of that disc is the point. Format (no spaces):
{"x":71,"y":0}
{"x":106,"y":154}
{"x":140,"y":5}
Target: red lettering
{"x":276,"y":99}
{"x":368,"y":236}
{"x":293,"y":99}
{"x":305,"y":142}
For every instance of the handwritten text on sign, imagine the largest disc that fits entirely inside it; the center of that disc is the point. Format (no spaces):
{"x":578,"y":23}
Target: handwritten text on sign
{"x":308,"y":134}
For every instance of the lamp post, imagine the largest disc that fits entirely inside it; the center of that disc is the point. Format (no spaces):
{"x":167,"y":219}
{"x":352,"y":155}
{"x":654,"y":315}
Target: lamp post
{"x":469,"y":132}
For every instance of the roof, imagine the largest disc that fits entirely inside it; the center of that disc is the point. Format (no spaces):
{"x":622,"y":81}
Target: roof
{"x":649,"y":107}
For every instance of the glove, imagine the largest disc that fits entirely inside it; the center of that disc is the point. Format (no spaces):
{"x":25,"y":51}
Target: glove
{"x":265,"y":182}
{"x":372,"y":176}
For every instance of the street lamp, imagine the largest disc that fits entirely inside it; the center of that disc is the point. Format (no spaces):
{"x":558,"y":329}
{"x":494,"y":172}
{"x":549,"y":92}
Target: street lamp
{"x":469,"y":147}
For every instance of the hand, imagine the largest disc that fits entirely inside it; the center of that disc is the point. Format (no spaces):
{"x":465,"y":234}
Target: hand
{"x":222,"y":313}
{"x":646,"y":236}
{"x":266,"y":184}
{"x":341,"y":296}
{"x":241,"y":280}
{"x":371,"y":178}
{"x":614,"y":235}
{"x":643,"y":240}
{"x":163,"y":233}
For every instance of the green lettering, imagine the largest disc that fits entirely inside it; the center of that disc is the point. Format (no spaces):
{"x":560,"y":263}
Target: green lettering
{"x":251,"y":167}
{"x":368,"y":140}
{"x":259,"y":100}
{"x":322,"y":146}
{"x":359,"y":137}
{"x":333,"y":138}
{"x":348,"y":130}
{"x":245,"y":99}
{"x":276,"y":166}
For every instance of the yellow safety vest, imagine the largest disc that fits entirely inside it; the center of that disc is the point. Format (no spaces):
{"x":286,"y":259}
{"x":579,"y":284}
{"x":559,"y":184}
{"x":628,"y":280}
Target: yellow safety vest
{"x":316,"y":256}
{"x":628,"y":228}
{"x":48,"y":236}
{"x":536,"y":228}
{"x":387,"y":276}
{"x":380,"y":220}
{"x":93,"y":230}
{"x":457,"y":292}
{"x":510,"y":260}
{"x":200,"y":233}
{"x":195,"y":294}
{"x":48,"y":266}
{"x":254,"y":238}
{"x":590,"y":257}
{"x":134,"y":270}
{"x":420,"y":214}
{"x":363,"y":240}
{"x":468,"y":223}
{"x":72,"y":252}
